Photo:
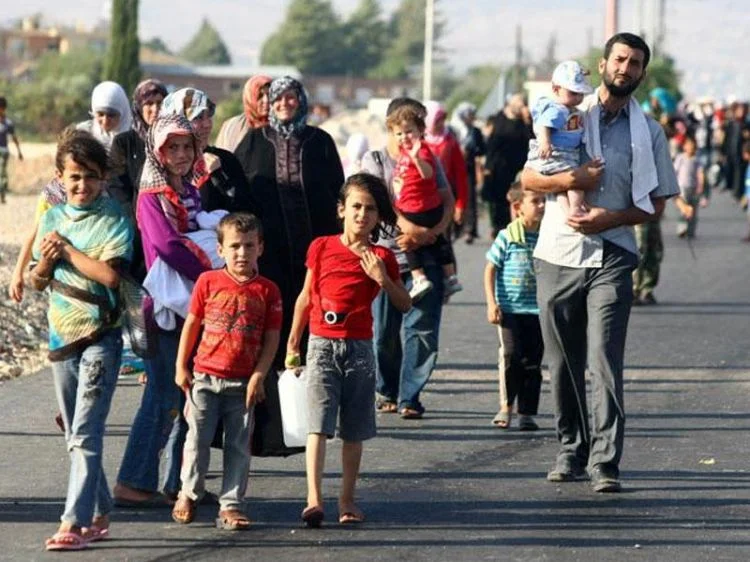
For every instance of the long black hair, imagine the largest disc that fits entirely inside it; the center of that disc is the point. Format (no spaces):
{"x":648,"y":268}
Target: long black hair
{"x":379,"y":192}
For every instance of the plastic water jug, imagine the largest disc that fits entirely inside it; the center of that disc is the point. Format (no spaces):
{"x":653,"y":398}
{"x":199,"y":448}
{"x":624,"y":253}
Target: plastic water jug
{"x":293,"y":401}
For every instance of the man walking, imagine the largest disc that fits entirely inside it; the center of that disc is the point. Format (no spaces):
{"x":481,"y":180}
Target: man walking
{"x":584,"y":264}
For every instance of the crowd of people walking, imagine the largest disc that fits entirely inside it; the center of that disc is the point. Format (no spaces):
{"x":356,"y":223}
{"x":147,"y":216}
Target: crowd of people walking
{"x":347,"y":274}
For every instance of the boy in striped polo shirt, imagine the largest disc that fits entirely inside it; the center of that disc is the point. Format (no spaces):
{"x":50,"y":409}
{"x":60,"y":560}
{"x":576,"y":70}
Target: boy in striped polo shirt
{"x":510,"y":291}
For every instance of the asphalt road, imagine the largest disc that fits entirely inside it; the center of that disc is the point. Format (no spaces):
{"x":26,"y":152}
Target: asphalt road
{"x":452,"y":486}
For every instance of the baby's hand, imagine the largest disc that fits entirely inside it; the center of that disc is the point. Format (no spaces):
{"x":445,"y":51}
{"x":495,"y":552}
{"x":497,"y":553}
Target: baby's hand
{"x":373,"y":266}
{"x":414,"y":149}
{"x":545,"y":149}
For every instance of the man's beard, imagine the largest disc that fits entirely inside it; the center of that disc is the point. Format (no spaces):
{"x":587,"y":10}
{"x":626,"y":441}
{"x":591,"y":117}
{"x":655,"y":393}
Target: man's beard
{"x":619,"y":91}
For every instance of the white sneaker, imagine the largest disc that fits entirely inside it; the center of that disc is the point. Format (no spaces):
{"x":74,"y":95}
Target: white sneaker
{"x":420,"y":288}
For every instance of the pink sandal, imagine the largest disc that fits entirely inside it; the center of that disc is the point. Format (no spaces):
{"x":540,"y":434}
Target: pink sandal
{"x":66,"y":541}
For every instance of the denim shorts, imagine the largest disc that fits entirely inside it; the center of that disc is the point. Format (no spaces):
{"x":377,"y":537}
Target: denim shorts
{"x":341,"y":384}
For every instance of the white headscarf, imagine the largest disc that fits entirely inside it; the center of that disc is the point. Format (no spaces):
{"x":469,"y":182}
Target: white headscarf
{"x":356,"y":147}
{"x":458,"y":119}
{"x":108,"y":96}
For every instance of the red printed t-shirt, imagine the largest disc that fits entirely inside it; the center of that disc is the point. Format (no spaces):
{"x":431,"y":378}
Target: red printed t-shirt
{"x":235,"y":317}
{"x":340,"y":285}
{"x":417,"y":194}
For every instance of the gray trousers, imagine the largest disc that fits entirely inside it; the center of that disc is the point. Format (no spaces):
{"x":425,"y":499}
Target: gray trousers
{"x":584,"y":316}
{"x":209,"y":400}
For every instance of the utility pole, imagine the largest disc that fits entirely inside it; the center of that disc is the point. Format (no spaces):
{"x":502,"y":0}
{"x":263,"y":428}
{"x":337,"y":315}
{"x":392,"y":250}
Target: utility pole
{"x":517,"y":80}
{"x":610,"y":20}
{"x":429,"y":33}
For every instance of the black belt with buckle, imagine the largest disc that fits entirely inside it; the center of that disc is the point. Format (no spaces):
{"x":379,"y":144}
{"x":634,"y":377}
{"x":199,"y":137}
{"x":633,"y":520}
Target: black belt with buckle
{"x":331,"y":318}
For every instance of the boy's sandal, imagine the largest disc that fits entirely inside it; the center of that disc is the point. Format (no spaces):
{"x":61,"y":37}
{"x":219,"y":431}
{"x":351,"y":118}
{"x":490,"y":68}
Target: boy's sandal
{"x":232,"y":520}
{"x":184,"y":510}
{"x":66,"y":541}
{"x":502,"y":420}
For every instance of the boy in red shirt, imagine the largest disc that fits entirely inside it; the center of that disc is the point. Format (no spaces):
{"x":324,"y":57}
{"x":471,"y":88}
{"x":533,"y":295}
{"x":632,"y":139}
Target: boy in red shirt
{"x":418,"y":200}
{"x":236,"y":313}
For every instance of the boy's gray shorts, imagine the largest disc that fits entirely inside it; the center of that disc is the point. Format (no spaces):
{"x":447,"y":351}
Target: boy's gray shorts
{"x":341,"y":382}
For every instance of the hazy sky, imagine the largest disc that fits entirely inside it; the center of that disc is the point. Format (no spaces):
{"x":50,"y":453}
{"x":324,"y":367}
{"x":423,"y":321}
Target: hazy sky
{"x":707,"y":52}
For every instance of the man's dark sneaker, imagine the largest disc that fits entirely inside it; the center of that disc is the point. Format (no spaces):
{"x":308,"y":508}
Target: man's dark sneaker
{"x":605,"y":479}
{"x":566,"y":475}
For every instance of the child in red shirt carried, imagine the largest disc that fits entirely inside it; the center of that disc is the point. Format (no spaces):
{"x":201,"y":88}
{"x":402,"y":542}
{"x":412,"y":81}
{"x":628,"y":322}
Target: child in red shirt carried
{"x":344,"y":275}
{"x":418,"y":200}
{"x":236,"y":314}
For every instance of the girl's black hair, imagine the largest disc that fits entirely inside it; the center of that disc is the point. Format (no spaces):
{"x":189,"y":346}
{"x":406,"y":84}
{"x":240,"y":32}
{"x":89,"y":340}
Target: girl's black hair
{"x":379,"y":192}
{"x":83,"y":149}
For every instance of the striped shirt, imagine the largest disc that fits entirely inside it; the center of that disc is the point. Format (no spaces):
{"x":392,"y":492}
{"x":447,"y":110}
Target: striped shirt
{"x":515,"y":281}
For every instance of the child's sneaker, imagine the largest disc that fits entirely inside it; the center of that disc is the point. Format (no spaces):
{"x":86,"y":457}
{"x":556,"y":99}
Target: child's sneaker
{"x":420,"y":288}
{"x":452,"y":286}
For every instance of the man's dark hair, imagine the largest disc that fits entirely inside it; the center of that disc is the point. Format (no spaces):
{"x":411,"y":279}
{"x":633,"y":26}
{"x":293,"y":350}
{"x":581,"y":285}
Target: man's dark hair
{"x":401,"y":102}
{"x":631,"y":40}
{"x":241,"y":222}
{"x":3,"y":102}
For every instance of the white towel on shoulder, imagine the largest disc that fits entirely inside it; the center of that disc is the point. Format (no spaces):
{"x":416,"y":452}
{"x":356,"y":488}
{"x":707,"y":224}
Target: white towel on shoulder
{"x":645,"y":179}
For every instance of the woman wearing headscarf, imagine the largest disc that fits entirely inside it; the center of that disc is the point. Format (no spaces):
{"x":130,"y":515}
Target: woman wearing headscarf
{"x":255,"y":113}
{"x":472,"y":146}
{"x":444,"y":146}
{"x":110,"y":113}
{"x":168,"y":203}
{"x":295,"y":175}
{"x":128,"y":155}
{"x":128,"y":152}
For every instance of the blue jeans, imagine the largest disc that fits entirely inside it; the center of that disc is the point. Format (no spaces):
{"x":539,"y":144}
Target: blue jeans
{"x":84,"y":385}
{"x":158,"y":425}
{"x":406,"y":345}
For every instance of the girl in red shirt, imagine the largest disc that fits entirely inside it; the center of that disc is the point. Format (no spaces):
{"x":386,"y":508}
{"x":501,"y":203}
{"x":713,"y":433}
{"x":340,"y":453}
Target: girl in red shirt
{"x":344,"y":275}
{"x":418,"y":200}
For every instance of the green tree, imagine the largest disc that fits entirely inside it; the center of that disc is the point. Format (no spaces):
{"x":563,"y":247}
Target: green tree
{"x":156,"y":44}
{"x":406,"y":50}
{"x":122,"y":64}
{"x":310,"y":38}
{"x":365,"y":38}
{"x":474,"y":86}
{"x":206,"y":47}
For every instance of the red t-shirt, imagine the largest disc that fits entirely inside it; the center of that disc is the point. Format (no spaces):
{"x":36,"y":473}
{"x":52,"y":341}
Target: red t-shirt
{"x":417,"y":193}
{"x":235,"y":317}
{"x":340,"y":285}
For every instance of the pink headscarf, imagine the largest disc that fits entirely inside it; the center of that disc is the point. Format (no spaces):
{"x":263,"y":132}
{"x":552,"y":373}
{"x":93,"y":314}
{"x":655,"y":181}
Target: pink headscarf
{"x":435,"y":111}
{"x":250,"y":94}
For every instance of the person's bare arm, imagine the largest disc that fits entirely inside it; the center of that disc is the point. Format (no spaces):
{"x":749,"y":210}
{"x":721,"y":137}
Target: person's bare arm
{"x":423,"y":167}
{"x":300,"y":320}
{"x":15,"y":289}
{"x":255,"y":390}
{"x":545,"y":142}
{"x":585,"y":178}
{"x":494,"y":315}
{"x":598,"y":219}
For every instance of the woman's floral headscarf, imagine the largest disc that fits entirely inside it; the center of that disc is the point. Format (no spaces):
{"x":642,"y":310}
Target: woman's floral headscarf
{"x":297,"y":123}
